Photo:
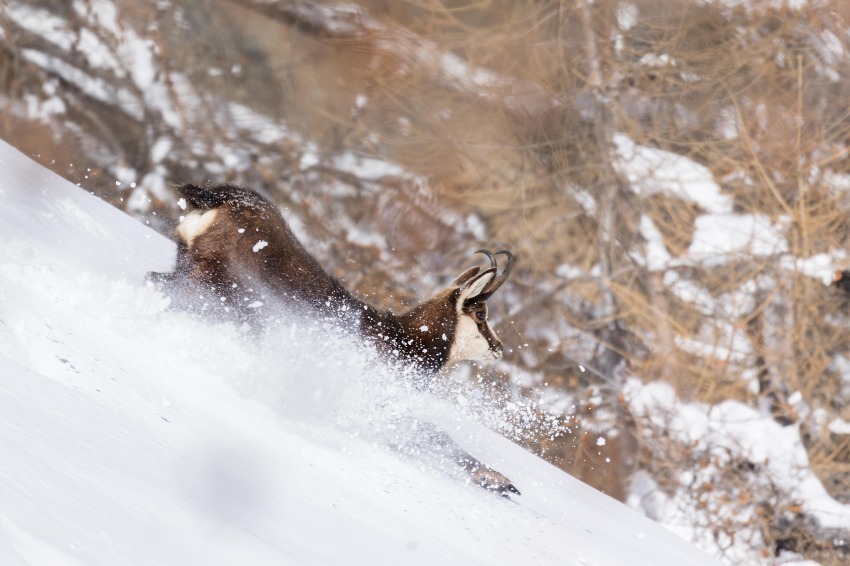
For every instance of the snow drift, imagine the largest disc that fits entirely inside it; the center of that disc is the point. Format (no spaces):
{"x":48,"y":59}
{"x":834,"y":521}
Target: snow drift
{"x":134,"y":434}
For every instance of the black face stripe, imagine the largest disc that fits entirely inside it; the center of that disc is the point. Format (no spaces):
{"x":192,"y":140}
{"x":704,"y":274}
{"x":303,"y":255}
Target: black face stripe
{"x":492,"y":340}
{"x":474,"y":310}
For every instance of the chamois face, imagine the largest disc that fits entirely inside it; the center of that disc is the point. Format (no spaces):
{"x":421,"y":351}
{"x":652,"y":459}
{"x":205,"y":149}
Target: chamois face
{"x":473,"y":338}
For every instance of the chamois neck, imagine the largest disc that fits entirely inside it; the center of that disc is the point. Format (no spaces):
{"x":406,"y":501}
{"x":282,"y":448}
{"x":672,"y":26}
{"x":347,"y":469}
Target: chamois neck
{"x":421,"y":336}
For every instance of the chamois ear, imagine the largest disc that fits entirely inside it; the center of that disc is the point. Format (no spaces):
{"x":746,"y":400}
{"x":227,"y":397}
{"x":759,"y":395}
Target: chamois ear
{"x":465,"y":276}
{"x":474,"y":287}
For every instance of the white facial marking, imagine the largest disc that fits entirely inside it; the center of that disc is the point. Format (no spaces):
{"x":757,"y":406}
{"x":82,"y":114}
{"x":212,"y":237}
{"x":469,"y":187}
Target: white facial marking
{"x":468,"y":344}
{"x":195,"y":224}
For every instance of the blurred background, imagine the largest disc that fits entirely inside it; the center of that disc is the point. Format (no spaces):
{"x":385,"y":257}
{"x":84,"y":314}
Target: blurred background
{"x":672,"y":176}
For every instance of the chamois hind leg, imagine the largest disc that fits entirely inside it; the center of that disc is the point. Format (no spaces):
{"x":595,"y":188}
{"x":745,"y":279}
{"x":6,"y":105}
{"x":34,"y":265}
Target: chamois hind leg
{"x":426,"y":439}
{"x":202,"y":286}
{"x":170,"y":282}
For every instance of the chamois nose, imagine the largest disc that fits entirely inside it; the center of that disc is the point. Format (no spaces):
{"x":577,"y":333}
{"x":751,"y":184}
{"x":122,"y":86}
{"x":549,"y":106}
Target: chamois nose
{"x":497,"y":351}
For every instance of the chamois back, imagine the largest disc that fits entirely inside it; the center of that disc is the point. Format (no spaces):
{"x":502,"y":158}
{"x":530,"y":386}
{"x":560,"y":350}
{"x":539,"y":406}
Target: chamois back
{"x":240,"y":245}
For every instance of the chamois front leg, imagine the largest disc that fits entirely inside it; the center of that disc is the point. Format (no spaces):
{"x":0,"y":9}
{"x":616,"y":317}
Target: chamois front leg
{"x":485,"y":476}
{"x":426,"y":438}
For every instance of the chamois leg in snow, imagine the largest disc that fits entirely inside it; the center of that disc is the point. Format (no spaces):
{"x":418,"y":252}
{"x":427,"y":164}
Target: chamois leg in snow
{"x":425,"y":439}
{"x":235,"y":245}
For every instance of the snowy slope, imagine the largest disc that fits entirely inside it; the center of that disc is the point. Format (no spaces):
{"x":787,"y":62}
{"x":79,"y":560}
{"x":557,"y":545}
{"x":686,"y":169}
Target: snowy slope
{"x":133,"y":434}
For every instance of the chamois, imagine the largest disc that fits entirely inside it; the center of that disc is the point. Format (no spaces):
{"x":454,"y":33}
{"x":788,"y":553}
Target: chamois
{"x":235,"y":243}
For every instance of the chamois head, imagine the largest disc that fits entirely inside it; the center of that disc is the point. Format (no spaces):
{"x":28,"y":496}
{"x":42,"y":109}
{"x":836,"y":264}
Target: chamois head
{"x":452,"y":326}
{"x":474,"y":339}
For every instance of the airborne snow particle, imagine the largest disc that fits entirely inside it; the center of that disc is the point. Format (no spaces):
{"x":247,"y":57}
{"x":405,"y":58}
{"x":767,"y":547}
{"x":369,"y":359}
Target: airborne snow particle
{"x":423,"y":328}
{"x":182,"y":204}
{"x":600,"y":441}
{"x":260,"y":245}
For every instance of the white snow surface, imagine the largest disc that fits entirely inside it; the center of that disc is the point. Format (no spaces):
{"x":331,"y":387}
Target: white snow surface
{"x":719,"y":235}
{"x":728,"y":430}
{"x":650,"y":170}
{"x":132,"y":433}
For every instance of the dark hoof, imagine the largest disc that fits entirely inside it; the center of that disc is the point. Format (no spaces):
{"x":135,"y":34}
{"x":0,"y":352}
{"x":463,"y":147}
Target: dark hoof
{"x":155,"y":277}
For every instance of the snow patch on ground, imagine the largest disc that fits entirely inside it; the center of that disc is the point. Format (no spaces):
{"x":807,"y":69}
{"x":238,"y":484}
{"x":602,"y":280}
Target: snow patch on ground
{"x":720,"y":236}
{"x":726,"y":430}
{"x":650,"y":170}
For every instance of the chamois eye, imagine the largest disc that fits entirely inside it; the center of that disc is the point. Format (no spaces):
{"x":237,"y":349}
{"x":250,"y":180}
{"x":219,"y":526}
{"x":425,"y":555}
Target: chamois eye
{"x":481,"y":315}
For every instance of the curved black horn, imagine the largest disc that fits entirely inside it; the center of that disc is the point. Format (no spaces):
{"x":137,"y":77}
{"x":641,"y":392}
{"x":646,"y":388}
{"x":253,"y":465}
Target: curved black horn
{"x":502,"y":277}
{"x":505,"y":272}
{"x":489,"y":255}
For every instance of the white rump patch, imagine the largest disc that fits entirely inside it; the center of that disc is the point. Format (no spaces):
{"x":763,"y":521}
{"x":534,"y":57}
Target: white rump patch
{"x":195,"y":224}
